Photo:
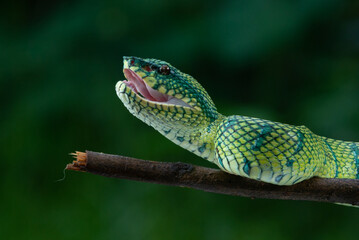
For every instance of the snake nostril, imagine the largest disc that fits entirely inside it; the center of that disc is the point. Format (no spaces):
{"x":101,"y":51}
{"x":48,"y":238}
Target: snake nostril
{"x":130,"y":60}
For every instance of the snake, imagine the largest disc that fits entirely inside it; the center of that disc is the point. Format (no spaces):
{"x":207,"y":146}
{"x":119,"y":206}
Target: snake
{"x":176,"y":105}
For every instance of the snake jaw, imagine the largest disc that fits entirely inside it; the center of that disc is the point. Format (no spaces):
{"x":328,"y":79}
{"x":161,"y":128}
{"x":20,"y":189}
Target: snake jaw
{"x":143,"y":90}
{"x":158,"y":82}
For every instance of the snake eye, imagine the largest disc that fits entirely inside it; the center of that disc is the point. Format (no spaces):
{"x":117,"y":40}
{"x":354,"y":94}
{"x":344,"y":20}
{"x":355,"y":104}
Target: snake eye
{"x":165,"y":70}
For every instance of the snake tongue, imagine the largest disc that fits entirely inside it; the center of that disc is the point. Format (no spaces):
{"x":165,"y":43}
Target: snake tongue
{"x":138,"y":83}
{"x":160,"y":97}
{"x":143,"y":88}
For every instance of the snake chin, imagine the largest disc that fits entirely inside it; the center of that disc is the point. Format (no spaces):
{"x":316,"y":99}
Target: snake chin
{"x":140,"y":87}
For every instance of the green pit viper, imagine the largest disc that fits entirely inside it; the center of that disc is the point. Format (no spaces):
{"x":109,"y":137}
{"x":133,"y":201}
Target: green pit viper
{"x":177,"y":106}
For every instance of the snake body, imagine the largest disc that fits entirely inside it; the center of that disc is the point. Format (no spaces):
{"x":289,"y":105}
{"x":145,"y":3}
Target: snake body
{"x":177,"y":106}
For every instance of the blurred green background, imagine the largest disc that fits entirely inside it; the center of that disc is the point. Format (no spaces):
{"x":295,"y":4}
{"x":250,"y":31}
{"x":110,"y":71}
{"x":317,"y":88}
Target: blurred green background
{"x":289,"y":61}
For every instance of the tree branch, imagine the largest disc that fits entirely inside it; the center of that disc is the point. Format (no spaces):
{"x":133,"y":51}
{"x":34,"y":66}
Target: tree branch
{"x":344,"y":191}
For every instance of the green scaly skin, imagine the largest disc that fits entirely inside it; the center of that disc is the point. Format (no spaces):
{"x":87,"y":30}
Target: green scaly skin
{"x":268,"y":151}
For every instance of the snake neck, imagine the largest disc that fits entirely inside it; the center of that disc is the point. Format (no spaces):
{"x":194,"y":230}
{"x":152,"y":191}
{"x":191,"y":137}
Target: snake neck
{"x":189,"y":128}
{"x":199,"y":139}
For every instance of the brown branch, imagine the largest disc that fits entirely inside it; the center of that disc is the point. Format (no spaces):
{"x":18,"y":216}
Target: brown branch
{"x":344,"y":191}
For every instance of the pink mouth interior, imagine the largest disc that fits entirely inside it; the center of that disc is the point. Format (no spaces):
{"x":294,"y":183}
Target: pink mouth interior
{"x":137,"y":84}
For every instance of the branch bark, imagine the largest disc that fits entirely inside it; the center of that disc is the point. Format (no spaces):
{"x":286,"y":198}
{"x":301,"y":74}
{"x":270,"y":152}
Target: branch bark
{"x":344,"y":191}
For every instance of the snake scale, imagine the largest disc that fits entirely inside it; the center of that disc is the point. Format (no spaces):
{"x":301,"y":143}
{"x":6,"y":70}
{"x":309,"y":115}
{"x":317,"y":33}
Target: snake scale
{"x":177,"y":106}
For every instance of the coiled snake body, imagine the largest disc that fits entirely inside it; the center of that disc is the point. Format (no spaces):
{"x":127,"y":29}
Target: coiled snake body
{"x":177,"y":106}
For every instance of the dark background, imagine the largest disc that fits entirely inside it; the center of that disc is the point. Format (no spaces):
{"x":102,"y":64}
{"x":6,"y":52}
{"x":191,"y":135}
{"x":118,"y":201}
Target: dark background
{"x":289,"y":61}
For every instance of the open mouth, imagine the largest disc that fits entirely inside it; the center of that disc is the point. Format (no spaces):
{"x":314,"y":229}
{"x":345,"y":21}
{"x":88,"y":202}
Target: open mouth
{"x":139,"y":86}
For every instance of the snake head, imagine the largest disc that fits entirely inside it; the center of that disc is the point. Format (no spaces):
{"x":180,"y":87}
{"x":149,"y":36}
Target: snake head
{"x":159,"y":82}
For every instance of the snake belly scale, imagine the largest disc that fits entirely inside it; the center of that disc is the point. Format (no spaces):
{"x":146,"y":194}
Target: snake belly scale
{"x":177,"y":106}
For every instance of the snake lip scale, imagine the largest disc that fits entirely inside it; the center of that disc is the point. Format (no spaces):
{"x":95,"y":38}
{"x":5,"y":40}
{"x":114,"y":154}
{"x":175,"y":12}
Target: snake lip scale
{"x":177,"y":106}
